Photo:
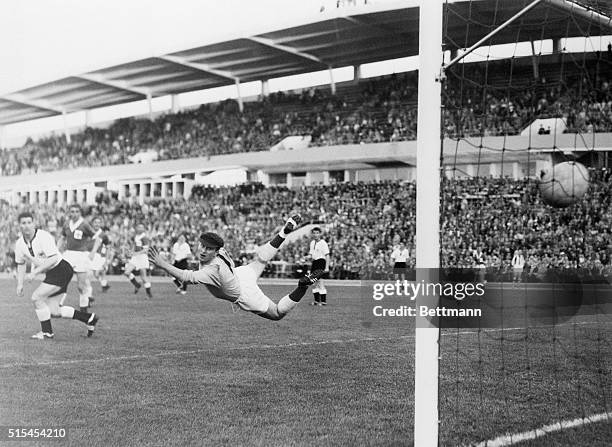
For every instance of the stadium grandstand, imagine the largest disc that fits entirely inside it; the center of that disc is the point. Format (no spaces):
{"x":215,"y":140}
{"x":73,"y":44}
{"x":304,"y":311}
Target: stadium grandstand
{"x":528,"y":86}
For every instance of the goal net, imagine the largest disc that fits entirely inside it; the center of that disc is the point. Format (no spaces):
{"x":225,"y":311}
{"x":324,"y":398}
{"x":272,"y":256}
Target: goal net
{"x":525,"y":197}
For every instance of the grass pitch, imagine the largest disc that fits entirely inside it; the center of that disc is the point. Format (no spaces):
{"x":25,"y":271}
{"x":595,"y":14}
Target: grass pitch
{"x":187,"y":370}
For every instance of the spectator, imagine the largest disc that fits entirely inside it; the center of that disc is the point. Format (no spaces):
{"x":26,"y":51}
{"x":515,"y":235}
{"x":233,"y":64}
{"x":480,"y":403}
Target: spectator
{"x":483,"y":221}
{"x":477,"y":102}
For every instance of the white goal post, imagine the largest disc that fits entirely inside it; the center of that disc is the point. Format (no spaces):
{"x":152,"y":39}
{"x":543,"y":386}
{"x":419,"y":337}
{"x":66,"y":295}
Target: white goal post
{"x":429,"y":143}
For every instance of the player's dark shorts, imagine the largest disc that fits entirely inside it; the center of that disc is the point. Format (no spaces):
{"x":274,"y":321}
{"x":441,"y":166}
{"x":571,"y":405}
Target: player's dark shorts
{"x":318,"y":264}
{"x":399,"y":267}
{"x":60,"y":276}
{"x":183,"y":264}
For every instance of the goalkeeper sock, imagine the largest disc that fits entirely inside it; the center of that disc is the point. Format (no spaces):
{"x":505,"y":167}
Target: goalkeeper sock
{"x":298,"y":293}
{"x":81,"y":316}
{"x":277,"y":241}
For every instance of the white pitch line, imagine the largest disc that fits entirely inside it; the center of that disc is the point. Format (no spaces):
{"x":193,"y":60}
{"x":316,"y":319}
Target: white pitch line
{"x":199,"y":351}
{"x":506,"y":440}
{"x":196,"y":351}
{"x":287,"y":345}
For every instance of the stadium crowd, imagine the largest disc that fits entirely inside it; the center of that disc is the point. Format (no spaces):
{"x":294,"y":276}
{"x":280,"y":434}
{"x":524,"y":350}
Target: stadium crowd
{"x":483,"y":222}
{"x":478,"y":100}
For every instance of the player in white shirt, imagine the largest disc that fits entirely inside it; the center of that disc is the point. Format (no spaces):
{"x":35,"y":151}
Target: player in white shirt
{"x":319,"y":253}
{"x":181,"y":254}
{"x":37,"y":247}
{"x":399,"y":258}
{"x":139,"y":261}
{"x":239,"y":284}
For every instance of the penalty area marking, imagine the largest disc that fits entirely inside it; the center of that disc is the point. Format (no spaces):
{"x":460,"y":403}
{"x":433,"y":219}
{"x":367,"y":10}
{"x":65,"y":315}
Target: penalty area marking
{"x":512,"y":439}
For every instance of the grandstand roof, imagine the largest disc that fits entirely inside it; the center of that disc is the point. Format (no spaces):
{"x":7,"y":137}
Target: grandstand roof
{"x":336,"y":42}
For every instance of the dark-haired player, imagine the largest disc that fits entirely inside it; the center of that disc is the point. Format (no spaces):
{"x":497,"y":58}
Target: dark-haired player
{"x":37,"y":247}
{"x":239,"y":284}
{"x":78,"y":242}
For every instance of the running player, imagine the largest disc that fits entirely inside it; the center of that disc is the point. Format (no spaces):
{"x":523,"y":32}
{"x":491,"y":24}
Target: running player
{"x":181,"y":253}
{"x":37,"y":247}
{"x":101,"y":252}
{"x":78,"y":234}
{"x":139,"y":261}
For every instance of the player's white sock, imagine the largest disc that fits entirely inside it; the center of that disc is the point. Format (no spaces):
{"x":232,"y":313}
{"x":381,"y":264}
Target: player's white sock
{"x":67,"y":311}
{"x":285,"y":305}
{"x":62,"y":299}
{"x":83,"y":299}
{"x":43,"y":313}
{"x":266,"y":252}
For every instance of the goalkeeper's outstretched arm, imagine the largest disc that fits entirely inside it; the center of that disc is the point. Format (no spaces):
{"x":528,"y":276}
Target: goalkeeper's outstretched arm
{"x":155,"y":257}
{"x":206,"y":274}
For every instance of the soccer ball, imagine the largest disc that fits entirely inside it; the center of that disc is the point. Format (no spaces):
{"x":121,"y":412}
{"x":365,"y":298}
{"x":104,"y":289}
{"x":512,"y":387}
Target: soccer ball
{"x":563,"y":184}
